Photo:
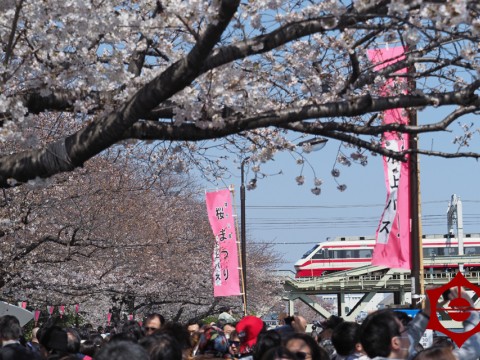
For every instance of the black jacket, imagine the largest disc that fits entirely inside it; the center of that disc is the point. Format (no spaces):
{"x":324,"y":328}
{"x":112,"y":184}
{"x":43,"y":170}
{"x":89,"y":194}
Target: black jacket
{"x":17,"y":352}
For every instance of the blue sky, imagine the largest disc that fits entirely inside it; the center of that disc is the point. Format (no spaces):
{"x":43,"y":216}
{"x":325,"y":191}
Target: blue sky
{"x":281,"y":211}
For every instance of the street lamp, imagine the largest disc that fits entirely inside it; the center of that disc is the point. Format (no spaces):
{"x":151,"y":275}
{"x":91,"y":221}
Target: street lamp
{"x":315,"y":144}
{"x":243,"y":233}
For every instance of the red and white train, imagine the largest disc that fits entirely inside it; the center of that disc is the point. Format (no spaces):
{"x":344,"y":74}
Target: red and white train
{"x":344,"y":253}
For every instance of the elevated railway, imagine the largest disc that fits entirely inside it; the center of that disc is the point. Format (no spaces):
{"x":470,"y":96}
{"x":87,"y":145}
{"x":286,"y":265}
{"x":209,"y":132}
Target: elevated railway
{"x":369,"y":281}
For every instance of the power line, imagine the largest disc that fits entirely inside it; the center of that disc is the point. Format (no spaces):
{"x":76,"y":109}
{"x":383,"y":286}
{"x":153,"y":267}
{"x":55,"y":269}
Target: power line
{"x":366,"y":225}
{"x":341,"y":206}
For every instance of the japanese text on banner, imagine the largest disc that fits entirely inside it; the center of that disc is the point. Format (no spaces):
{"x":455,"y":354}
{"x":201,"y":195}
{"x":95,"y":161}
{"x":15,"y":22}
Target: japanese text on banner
{"x":392,"y":248}
{"x":225,"y":254}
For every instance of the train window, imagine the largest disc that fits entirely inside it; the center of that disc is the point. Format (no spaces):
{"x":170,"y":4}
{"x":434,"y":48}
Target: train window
{"x":354,"y":253}
{"x":440,"y":251}
{"x":471,"y":250}
{"x":337,"y":254}
{"x":451,"y":251}
{"x":320,"y":254}
{"x":365,"y":253}
{"x":429,"y":252}
{"x":351,"y":253}
{"x":309,"y":251}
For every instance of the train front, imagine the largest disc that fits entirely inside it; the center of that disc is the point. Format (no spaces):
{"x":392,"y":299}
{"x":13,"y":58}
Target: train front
{"x":306,"y":266}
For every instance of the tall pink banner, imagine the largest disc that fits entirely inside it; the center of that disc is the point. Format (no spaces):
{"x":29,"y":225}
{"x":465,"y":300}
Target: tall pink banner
{"x":225,"y":254}
{"x":392,"y":248}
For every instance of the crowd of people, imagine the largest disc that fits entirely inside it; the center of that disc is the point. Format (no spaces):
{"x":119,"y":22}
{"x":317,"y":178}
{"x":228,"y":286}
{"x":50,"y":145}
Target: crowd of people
{"x":384,"y":334}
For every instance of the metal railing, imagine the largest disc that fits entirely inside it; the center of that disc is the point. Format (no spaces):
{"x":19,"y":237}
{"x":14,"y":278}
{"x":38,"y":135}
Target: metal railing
{"x":371,"y":278}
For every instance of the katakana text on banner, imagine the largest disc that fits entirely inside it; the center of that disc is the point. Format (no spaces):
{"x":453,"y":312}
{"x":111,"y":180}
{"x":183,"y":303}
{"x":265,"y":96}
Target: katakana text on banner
{"x":393,"y":245}
{"x":225,"y":254}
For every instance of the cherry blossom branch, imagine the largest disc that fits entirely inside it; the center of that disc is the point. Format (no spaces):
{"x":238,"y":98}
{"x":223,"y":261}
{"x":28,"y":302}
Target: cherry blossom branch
{"x":150,"y":130}
{"x":11,"y":37}
{"x":67,"y":154}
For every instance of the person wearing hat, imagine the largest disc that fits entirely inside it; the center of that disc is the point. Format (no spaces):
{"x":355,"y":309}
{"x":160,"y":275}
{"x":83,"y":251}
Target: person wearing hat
{"x":212,"y":341}
{"x":226,"y":316}
{"x":248,"y":329}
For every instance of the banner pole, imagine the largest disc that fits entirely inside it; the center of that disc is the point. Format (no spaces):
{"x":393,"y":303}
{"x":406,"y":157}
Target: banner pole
{"x":244,"y":231}
{"x":240,"y":258}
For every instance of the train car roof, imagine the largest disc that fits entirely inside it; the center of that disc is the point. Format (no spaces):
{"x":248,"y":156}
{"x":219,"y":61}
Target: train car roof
{"x":353,"y":238}
{"x":424,"y":236}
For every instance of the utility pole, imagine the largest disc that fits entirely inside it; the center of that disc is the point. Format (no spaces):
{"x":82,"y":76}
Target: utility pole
{"x":416,"y":222}
{"x":415,"y":212}
{"x":455,"y":215}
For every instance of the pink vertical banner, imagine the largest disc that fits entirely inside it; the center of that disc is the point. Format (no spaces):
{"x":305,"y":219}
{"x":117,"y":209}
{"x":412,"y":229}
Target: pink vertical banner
{"x":61,"y":310}
{"x":50,"y":309}
{"x":393,"y":243}
{"x":109,"y":318}
{"x":36,"y":315}
{"x":225,"y":255}
{"x":77,"y":308}
{"x":130,"y":316}
{"x":24,"y":304}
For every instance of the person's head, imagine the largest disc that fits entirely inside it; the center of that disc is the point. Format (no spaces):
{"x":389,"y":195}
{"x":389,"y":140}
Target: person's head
{"x":221,"y":323}
{"x":165,"y":347}
{"x":122,"y":350}
{"x":193,"y":326}
{"x":328,"y":325}
{"x":73,"y":340}
{"x":248,"y":329}
{"x":53,"y":338}
{"x":279,"y":353}
{"x":133,"y":327}
{"x":305,"y":347}
{"x":97,"y":339}
{"x":382,"y":334}
{"x":435,"y":353}
{"x":228,"y":329}
{"x":179,"y":333}
{"x":234,"y":344}
{"x":153,"y":322}
{"x":10,"y":328}
{"x":123,"y":336}
{"x":346,"y":338}
{"x":212,"y":341}
{"x":266,"y":340}
{"x":88,"y":348}
{"x":226,"y":309}
{"x":287,"y":320}
{"x":225,"y":317}
{"x":403,"y":317}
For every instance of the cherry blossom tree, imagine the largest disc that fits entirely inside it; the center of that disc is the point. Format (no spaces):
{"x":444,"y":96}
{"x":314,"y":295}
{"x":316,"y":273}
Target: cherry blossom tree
{"x":125,"y":234}
{"x":115,"y":241}
{"x":245,"y":75}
